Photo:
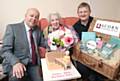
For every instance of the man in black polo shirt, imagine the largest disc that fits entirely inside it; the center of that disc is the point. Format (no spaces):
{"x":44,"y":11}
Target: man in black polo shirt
{"x":82,"y":25}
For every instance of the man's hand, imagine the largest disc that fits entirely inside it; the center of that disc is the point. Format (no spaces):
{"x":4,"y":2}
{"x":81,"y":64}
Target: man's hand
{"x":18,"y":70}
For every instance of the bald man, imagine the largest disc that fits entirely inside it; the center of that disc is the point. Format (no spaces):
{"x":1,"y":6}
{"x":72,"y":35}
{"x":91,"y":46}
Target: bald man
{"x":21,"y":58}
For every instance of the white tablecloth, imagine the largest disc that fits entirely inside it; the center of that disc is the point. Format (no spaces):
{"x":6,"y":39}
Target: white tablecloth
{"x":58,"y":75}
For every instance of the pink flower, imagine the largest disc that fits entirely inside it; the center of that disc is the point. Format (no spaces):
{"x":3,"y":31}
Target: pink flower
{"x":49,"y":41}
{"x":68,"y":40}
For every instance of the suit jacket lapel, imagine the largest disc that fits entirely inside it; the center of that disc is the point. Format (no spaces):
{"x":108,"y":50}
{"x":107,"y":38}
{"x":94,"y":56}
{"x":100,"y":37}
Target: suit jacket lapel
{"x":24,"y":35}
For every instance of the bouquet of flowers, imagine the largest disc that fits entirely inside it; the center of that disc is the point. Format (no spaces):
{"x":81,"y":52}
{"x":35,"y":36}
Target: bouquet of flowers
{"x":61,"y":39}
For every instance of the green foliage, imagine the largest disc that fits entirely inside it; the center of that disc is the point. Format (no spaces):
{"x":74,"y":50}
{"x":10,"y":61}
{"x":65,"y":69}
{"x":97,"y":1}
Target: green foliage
{"x":58,"y":42}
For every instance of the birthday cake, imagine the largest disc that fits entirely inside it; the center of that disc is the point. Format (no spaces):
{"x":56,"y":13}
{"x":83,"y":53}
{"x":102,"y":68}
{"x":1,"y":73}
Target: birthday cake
{"x":58,"y":60}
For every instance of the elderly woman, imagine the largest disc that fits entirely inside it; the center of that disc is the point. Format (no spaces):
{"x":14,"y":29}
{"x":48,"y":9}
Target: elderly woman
{"x":58,"y":36}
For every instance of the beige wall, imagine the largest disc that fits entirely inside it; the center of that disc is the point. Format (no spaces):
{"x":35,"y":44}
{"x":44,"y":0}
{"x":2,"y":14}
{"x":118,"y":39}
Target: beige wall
{"x":106,"y":8}
{"x":12,"y":11}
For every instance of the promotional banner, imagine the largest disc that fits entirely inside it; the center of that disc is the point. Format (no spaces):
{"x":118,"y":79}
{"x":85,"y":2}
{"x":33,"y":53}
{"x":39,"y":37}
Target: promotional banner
{"x":107,"y":27}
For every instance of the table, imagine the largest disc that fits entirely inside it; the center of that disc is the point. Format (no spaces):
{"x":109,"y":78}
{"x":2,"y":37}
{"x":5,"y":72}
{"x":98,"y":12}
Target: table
{"x":58,"y":75}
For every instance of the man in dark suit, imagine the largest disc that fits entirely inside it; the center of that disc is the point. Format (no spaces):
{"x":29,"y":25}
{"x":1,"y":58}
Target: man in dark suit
{"x":21,"y":57}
